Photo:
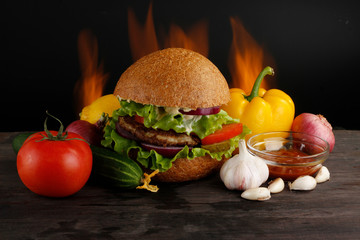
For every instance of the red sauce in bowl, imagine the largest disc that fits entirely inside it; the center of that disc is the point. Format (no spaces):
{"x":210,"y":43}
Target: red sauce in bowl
{"x":291,"y":172}
{"x":289,"y":154}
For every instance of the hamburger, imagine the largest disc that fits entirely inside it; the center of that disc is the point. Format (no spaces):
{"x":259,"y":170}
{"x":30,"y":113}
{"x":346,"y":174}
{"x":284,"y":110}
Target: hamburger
{"x":170,"y":117}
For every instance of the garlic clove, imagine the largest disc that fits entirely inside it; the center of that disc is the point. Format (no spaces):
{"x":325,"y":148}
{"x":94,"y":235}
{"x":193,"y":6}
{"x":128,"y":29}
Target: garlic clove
{"x":273,"y":143}
{"x":323,"y":175}
{"x":276,"y":185}
{"x":258,"y":194}
{"x":303,"y":183}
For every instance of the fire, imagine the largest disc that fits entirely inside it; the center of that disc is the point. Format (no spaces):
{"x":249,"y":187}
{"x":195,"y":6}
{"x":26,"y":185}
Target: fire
{"x":246,"y":58}
{"x":92,"y":82}
{"x":144,"y":39}
{"x":195,"y":39}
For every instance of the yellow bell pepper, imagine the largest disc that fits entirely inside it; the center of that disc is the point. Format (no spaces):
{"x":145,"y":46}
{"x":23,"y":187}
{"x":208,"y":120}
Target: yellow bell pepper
{"x":262,"y":111}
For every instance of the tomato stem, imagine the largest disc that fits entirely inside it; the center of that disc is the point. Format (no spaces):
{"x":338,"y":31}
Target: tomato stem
{"x":256,"y":87}
{"x":60,"y":136}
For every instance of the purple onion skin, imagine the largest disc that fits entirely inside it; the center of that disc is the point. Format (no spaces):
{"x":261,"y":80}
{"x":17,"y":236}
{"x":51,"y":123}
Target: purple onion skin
{"x":314,"y":124}
{"x":202,"y":111}
{"x":169,"y":151}
{"x":90,"y":132}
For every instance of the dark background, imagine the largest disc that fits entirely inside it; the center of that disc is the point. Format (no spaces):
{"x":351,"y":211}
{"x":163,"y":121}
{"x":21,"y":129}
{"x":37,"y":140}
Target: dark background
{"x":315,"y":45}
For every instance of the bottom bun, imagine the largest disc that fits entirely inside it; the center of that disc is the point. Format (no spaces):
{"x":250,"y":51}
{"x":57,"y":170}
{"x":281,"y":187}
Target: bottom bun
{"x":184,"y":169}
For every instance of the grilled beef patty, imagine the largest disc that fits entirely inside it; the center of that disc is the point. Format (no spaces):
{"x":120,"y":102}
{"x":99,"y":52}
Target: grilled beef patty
{"x":156,"y":136}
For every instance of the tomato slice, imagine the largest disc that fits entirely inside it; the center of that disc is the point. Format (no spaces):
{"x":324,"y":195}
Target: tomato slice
{"x":139,"y":119}
{"x":228,"y":131}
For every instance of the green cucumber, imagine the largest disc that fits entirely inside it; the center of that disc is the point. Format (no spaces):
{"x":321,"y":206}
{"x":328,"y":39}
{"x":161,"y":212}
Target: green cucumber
{"x":117,"y":169}
{"x":19,"y":140}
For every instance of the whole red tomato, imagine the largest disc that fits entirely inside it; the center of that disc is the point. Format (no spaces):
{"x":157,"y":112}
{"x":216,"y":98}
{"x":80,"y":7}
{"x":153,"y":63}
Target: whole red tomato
{"x":54,"y":164}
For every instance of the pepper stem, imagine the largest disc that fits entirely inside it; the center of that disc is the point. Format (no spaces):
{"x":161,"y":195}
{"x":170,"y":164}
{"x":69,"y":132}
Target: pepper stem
{"x":255,"y":90}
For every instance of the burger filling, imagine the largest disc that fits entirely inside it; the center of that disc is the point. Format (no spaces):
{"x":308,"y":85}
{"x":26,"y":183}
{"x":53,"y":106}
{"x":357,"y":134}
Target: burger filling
{"x":160,"y":135}
{"x":152,"y":136}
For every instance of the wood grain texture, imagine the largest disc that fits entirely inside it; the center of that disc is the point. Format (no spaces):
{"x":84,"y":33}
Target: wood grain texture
{"x":203,"y":209}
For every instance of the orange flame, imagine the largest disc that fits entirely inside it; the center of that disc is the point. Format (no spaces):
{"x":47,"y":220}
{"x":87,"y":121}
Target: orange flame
{"x":195,"y":39}
{"x":144,"y":40}
{"x":245,"y":62}
{"x":246,"y":59}
{"x":92,"y":82}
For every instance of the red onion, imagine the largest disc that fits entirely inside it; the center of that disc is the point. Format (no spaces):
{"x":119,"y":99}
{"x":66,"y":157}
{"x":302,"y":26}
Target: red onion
{"x":316,"y":125}
{"x":169,"y":151}
{"x":202,"y":111}
{"x":90,"y":132}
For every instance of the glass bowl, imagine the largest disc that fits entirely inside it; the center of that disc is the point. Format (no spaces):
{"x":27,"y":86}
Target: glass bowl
{"x":289,"y":154}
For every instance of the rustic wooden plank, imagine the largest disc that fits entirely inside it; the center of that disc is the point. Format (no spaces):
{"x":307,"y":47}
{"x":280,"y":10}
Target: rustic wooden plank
{"x":201,"y":209}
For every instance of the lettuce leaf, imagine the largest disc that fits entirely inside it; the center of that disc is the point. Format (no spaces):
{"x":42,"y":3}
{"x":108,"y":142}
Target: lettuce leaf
{"x":158,"y":117}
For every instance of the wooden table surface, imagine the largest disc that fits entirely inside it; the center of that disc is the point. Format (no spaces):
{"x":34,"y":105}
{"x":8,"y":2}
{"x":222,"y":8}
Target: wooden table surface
{"x":203,"y":209}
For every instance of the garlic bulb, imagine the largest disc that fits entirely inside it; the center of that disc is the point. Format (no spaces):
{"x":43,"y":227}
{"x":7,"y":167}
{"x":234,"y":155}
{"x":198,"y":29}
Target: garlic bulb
{"x":304,"y":183}
{"x":323,"y":175}
{"x":244,"y":171}
{"x":276,"y":185}
{"x":258,"y":194}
